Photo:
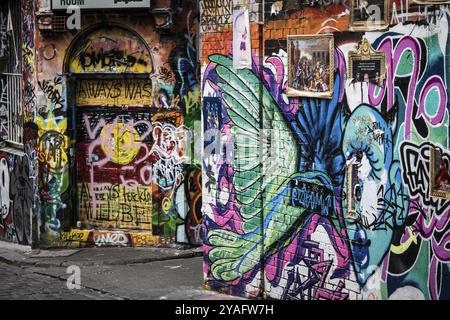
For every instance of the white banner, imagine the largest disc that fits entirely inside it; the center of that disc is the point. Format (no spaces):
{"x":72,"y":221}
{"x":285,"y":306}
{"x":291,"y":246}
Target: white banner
{"x":100,"y":4}
{"x":242,"y":53}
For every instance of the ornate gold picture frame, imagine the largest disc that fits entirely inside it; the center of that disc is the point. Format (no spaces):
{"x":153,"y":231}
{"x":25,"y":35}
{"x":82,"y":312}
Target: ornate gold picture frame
{"x":369,"y":15}
{"x":367,"y":64}
{"x":310,"y":66}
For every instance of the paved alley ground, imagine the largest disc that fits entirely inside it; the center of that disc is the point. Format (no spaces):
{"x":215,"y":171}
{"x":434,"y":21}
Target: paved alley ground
{"x":23,"y":284}
{"x":173,"y":279}
{"x":105,"y":273}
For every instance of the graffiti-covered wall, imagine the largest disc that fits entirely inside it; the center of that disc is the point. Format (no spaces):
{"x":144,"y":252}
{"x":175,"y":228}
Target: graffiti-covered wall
{"x":117,"y":102}
{"x":326,"y":196}
{"x":19,"y":210}
{"x":110,"y":107}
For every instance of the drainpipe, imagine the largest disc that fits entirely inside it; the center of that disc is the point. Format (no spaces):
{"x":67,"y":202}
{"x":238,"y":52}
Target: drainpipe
{"x":262,"y":129}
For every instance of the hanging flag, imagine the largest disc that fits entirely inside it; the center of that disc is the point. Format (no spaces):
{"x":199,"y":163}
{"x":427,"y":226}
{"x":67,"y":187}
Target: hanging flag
{"x":242,"y":54}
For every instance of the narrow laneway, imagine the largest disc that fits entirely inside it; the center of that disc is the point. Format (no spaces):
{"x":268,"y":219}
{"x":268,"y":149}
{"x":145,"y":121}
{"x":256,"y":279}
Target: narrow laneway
{"x":173,"y":279}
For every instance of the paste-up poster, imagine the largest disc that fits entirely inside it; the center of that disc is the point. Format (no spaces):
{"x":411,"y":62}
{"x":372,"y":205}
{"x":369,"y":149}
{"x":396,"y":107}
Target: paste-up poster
{"x":242,"y":55}
{"x":212,"y":118}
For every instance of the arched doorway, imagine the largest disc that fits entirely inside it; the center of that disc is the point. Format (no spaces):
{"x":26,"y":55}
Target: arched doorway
{"x":110,"y":68}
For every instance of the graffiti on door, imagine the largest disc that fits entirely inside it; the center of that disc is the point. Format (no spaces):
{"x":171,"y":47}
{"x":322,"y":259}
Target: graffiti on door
{"x":114,"y":168}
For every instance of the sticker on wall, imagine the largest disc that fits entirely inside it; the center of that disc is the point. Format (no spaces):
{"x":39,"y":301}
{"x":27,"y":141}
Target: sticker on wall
{"x":366,"y":15}
{"x":310,"y":66}
{"x":242,"y":56}
{"x":439,"y":174}
{"x":366,"y":64}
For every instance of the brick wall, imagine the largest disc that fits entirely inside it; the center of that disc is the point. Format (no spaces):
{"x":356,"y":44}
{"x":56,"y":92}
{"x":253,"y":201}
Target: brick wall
{"x":325,"y":198}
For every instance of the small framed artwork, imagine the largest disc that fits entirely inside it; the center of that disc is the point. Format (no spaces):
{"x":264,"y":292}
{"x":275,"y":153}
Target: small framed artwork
{"x":310,"y":66}
{"x":353,"y":190}
{"x":366,"y":64}
{"x":439,"y":174}
{"x":367,"y":15}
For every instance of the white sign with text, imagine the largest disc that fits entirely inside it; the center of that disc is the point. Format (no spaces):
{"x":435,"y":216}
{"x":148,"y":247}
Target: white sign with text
{"x":100,"y":4}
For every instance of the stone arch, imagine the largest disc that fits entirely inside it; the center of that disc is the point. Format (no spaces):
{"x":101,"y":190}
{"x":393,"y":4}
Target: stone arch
{"x":108,"y":48}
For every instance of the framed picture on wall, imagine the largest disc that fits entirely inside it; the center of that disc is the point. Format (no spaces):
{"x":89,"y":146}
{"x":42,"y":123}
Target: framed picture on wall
{"x":353,"y":190}
{"x":366,"y":15}
{"x":310,"y":66}
{"x":366,"y":64}
{"x":439,"y":174}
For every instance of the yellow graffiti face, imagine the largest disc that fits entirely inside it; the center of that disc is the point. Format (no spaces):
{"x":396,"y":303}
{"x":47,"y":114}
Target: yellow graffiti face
{"x":121,"y":143}
{"x":53,"y":143}
{"x":166,"y":204}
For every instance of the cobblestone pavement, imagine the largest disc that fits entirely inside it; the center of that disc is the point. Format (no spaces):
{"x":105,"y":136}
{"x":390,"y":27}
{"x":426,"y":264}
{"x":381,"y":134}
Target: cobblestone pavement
{"x":173,"y":279}
{"x":18,"y":283}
